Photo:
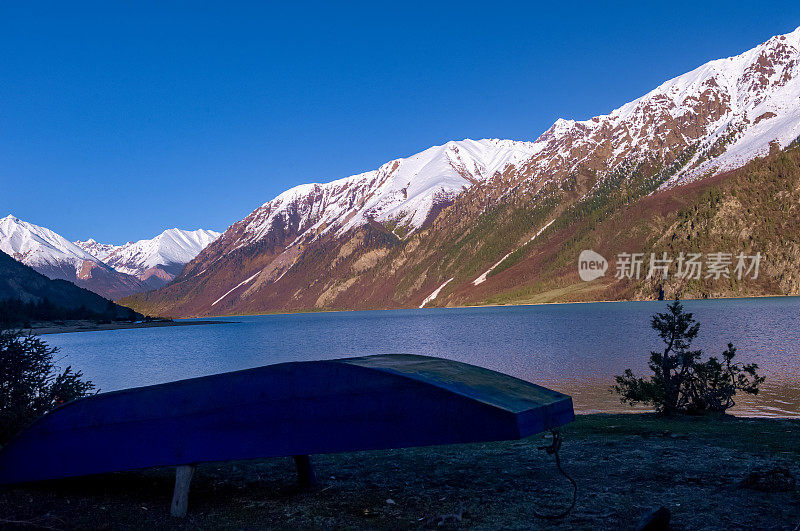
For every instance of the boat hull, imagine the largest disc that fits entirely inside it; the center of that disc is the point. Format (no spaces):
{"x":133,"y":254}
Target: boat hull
{"x":374,"y":402}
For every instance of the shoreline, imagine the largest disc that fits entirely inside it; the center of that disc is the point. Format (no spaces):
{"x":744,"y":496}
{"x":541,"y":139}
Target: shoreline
{"x":732,"y":413}
{"x":313,"y":311}
{"x":72,"y":326}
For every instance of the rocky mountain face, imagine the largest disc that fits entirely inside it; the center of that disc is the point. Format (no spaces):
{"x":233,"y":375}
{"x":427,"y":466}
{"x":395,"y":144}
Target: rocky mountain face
{"x":155,"y":261}
{"x":55,"y":257}
{"x":751,"y":210}
{"x":442,"y":226}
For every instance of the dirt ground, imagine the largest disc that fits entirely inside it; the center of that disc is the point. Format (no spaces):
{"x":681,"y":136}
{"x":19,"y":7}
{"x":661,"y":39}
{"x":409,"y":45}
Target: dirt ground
{"x":718,"y":473}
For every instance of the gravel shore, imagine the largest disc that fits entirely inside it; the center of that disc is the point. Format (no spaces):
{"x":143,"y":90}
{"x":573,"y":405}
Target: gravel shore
{"x":711,"y":473}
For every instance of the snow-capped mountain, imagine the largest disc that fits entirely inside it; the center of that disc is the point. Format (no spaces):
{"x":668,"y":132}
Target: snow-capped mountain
{"x":403,"y":192}
{"x":460,"y":195}
{"x":157,"y":260}
{"x":97,"y":249}
{"x":113,"y":271}
{"x":57,"y":258}
{"x":40,"y":247}
{"x":718,"y":116}
{"x":725,"y":112}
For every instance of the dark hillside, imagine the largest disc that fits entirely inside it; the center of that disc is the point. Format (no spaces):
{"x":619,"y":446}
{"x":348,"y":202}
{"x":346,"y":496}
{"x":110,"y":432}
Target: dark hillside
{"x":26,"y":294}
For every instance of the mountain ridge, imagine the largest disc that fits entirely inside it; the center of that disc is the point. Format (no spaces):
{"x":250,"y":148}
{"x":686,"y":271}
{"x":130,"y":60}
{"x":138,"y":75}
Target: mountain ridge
{"x":453,"y":212}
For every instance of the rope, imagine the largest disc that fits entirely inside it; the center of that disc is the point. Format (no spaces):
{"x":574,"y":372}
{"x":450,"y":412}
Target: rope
{"x":553,"y":450}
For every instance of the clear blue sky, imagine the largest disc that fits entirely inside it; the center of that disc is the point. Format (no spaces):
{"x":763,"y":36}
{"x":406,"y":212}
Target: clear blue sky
{"x":121,"y":119}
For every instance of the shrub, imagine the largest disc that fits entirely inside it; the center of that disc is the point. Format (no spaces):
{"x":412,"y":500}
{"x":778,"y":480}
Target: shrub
{"x":30,"y":383}
{"x":681,"y":383}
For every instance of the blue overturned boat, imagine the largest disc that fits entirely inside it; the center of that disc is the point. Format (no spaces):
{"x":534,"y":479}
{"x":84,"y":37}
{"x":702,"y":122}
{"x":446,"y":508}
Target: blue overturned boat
{"x":287,"y":409}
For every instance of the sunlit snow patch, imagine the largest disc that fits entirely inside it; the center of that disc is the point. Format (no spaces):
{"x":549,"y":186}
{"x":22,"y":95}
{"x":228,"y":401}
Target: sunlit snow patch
{"x":435,"y":294}
{"x":481,"y":279}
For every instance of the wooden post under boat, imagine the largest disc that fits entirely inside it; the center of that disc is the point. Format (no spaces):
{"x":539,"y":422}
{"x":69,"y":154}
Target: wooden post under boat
{"x":180,"y":497}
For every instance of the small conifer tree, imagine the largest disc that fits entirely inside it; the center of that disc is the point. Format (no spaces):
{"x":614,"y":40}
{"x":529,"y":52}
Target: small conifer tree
{"x":681,"y":383}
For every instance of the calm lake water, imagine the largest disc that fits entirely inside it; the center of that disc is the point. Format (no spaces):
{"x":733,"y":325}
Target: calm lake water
{"x":573,"y":348}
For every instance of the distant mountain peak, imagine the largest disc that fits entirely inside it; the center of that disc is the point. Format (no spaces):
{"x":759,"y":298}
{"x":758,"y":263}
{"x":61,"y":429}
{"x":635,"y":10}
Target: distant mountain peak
{"x":39,"y":246}
{"x":168,"y":252}
{"x":54,"y":256}
{"x":112,"y":271}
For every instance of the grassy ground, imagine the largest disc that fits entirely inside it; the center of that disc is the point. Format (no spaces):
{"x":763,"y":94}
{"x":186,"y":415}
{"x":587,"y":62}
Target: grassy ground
{"x":720,"y":473}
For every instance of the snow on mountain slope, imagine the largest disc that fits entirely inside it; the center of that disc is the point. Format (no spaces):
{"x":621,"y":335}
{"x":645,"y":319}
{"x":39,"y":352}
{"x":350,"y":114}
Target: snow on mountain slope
{"x":161,"y":257}
{"x":37,"y":246}
{"x":402,"y":191}
{"x":97,"y":249}
{"x":57,"y":258}
{"x":727,"y":110}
